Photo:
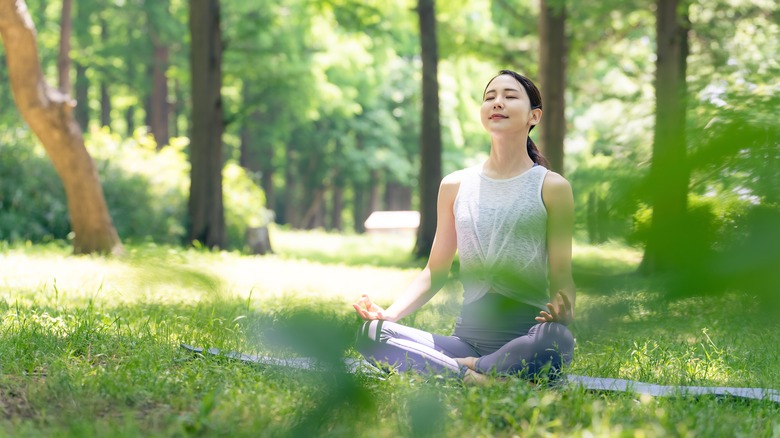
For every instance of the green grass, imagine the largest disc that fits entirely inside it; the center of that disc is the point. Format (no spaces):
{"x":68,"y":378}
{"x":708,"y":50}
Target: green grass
{"x":89,"y":347}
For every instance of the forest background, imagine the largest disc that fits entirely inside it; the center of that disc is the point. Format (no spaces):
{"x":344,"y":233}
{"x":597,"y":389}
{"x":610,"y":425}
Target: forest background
{"x":321,"y":117}
{"x":297,"y":115}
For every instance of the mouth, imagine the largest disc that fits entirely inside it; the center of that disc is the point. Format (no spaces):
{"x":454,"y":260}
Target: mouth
{"x":497,"y":116}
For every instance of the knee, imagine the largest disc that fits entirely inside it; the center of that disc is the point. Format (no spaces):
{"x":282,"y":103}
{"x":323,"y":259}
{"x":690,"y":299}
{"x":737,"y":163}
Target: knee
{"x":553,"y":336}
{"x":368,"y":332}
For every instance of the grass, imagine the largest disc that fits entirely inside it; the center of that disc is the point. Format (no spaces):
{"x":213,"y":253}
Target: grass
{"x":89,"y":347}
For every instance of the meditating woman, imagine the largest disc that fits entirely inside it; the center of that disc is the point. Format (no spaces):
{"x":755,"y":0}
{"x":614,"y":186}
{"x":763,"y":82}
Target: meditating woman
{"x":510,"y":219}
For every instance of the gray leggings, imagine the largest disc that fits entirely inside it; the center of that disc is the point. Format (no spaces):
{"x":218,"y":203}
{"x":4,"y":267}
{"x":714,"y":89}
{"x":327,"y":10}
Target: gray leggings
{"x":544,"y":348}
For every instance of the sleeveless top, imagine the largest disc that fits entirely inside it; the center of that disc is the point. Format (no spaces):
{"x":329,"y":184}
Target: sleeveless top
{"x":501,"y":227}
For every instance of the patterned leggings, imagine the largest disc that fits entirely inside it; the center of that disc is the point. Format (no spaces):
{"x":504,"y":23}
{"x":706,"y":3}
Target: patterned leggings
{"x":545,"y":348}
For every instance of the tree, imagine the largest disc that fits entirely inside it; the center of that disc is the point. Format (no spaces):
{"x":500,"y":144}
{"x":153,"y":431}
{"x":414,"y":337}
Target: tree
{"x":205,"y":207}
{"x":157,"y":15}
{"x":49,"y":114}
{"x":63,"y":60}
{"x":552,"y":79}
{"x":430,"y":135}
{"x":668,"y":170}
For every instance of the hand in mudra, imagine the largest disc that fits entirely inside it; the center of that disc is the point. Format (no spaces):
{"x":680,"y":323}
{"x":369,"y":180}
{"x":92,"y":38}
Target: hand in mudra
{"x":562,"y":314}
{"x":367,"y":309}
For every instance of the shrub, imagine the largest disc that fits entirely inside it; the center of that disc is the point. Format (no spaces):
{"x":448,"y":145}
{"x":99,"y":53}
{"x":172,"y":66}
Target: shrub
{"x":146,"y":191}
{"x":32,"y":200}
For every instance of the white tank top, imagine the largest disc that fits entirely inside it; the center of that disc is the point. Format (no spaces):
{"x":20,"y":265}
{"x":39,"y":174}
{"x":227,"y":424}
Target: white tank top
{"x":501,"y":227}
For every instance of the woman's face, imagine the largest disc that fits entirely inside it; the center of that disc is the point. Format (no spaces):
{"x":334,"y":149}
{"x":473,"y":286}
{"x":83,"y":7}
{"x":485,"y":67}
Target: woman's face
{"x":506,"y":107}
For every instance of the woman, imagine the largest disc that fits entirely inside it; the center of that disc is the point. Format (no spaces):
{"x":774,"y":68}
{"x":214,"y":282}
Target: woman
{"x":510,"y":219}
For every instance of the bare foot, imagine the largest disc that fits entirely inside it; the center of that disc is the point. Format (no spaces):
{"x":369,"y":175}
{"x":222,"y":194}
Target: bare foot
{"x":468,"y":362}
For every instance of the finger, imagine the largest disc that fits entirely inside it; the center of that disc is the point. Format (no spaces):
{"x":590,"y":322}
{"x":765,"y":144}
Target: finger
{"x":553,"y":311}
{"x":565,"y":299}
{"x":362,"y":312}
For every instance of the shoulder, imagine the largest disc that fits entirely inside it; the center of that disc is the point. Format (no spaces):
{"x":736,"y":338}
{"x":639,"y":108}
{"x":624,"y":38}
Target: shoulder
{"x":556,"y":190}
{"x":453,"y":178}
{"x":450,"y":184}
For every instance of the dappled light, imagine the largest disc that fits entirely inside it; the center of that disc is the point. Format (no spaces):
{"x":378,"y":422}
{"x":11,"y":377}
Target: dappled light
{"x":227,"y":218}
{"x":97,"y":323}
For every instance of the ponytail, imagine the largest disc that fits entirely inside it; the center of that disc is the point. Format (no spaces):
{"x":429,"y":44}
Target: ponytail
{"x":534,"y":153}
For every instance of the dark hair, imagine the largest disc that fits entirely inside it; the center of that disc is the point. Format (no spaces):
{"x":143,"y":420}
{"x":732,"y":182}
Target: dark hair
{"x":535,"y":96}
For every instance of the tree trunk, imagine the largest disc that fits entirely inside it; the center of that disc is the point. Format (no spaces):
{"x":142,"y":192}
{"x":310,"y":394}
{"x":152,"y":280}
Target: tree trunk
{"x":48,"y":112}
{"x":205,"y":207}
{"x":668,"y":170}
{"x":398,"y":197}
{"x":552,"y":78}
{"x":338,"y":204}
{"x":82,"y":97}
{"x":105,"y":96}
{"x":131,"y":84}
{"x":105,"y":106}
{"x":159,"y":98}
{"x":374,"y":198}
{"x":288,"y":210}
{"x":359,"y":214}
{"x":430,"y":136}
{"x":63,"y":60}
{"x":177,"y":108}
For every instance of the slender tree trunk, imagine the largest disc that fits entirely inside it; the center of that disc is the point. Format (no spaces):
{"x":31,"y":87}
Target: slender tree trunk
{"x":397,"y":197}
{"x":131,"y":83}
{"x":63,"y":60}
{"x":374,"y":198}
{"x":48,"y":112}
{"x":430,"y":137}
{"x":105,"y":106}
{"x":246,"y":157}
{"x":177,"y":107}
{"x":668,"y":170}
{"x":552,"y":77}
{"x":205,"y":207}
{"x":338,"y":204}
{"x":159,"y":106}
{"x":359,"y":214}
{"x":105,"y":96}
{"x":289,"y":212}
{"x":82,"y":97}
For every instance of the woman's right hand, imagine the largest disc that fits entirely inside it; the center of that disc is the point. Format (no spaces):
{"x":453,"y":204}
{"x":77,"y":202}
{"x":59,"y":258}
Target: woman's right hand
{"x":367,"y":309}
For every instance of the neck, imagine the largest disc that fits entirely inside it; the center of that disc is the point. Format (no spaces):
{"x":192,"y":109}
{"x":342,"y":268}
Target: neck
{"x":508,"y":157}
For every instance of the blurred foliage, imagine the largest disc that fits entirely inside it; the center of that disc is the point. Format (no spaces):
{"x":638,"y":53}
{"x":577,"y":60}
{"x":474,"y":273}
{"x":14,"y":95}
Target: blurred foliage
{"x":145,"y":191}
{"x":32,"y":199}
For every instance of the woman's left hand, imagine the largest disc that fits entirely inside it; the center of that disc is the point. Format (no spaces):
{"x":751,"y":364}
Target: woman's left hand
{"x":563,"y":314}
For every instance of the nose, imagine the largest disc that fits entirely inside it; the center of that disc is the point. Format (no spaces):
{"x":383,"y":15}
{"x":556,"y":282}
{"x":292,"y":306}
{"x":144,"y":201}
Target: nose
{"x":498,"y":103}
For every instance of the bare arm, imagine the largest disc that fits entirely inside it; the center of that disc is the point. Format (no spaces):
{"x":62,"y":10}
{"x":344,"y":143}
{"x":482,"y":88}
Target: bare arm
{"x":558,"y":199}
{"x":430,"y":280}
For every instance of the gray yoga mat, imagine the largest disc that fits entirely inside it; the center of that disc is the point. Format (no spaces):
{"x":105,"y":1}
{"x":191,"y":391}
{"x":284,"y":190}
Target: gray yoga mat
{"x":589,"y":383}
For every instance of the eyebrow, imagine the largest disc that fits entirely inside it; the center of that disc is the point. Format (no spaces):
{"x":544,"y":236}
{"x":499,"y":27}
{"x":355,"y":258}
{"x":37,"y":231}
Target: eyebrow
{"x":492,"y":90}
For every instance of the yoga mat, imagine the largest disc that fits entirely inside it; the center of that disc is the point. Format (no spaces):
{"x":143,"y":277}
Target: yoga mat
{"x":589,"y":383}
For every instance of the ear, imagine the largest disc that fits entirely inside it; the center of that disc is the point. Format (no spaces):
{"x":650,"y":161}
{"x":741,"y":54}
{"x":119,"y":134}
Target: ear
{"x":536,"y":116}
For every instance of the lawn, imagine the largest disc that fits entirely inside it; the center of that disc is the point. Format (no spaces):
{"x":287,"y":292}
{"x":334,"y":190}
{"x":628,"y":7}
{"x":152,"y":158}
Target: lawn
{"x":90,"y":347}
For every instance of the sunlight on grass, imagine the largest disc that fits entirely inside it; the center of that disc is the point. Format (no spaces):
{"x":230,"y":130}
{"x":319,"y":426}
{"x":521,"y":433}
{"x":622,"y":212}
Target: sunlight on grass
{"x":169,"y":275}
{"x":90,"y":347}
{"x":611,"y":258}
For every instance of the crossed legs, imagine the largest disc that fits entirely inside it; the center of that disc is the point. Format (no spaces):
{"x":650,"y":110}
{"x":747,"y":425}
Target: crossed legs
{"x":547,"y":346}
